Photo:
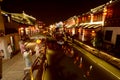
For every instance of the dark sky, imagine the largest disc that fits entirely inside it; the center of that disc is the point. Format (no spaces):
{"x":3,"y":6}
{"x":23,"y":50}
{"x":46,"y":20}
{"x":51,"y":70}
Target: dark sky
{"x":51,"y":11}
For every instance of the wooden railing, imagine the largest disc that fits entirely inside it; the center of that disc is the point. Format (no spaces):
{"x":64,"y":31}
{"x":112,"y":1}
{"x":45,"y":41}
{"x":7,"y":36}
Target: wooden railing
{"x":37,"y":67}
{"x":29,"y":71}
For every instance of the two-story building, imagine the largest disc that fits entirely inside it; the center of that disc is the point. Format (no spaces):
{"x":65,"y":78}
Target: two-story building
{"x":99,"y":25}
{"x":112,"y":25}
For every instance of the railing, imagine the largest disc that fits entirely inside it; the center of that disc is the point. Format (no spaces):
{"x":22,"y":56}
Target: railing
{"x":103,"y":55}
{"x":108,"y":58}
{"x":29,"y":71}
{"x":37,"y":67}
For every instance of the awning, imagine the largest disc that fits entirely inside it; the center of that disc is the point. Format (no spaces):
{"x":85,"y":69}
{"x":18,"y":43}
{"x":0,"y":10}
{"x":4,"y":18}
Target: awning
{"x":90,"y":26}
{"x":73,"y":26}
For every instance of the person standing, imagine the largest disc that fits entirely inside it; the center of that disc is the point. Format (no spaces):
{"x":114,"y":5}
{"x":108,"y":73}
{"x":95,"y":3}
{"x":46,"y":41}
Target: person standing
{"x":10,"y":50}
{"x":37,"y":48}
{"x":1,"y":56}
{"x":40,"y":48}
{"x":1,"y":53}
{"x":22,"y":47}
{"x":27,"y":58}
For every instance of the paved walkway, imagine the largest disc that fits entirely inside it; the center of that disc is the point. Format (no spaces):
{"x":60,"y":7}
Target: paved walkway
{"x":13,"y":69}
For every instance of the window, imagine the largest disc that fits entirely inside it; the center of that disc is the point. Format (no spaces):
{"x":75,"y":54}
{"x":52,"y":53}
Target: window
{"x":108,"y":35}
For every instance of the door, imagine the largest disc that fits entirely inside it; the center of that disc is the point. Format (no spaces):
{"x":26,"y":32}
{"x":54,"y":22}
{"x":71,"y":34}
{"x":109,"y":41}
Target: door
{"x":117,"y":41}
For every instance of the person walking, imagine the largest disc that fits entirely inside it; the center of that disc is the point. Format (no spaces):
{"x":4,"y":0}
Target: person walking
{"x":10,"y":50}
{"x":27,"y":57}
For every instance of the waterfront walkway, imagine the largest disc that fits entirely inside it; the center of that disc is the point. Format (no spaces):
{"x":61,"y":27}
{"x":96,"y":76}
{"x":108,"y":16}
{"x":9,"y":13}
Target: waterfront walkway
{"x":13,"y":69}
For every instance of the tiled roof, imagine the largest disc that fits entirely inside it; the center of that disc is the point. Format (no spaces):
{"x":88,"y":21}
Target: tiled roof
{"x":21,"y":17}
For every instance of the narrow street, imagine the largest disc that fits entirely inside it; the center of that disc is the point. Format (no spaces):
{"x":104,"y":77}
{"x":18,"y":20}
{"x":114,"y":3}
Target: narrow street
{"x":13,"y":69}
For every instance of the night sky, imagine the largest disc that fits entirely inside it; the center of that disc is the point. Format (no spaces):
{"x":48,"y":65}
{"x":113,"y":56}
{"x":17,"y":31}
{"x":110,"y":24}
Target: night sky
{"x":51,"y":11}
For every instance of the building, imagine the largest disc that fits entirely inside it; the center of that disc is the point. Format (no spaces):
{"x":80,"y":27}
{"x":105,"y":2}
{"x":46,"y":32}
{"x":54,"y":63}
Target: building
{"x":112,"y":25}
{"x":12,"y":27}
{"x":100,"y":25}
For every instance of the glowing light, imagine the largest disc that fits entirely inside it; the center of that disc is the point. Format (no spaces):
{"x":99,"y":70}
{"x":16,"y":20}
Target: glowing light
{"x":21,"y":28}
{"x":38,"y":41}
{"x":98,"y":22}
{"x":93,"y":31}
